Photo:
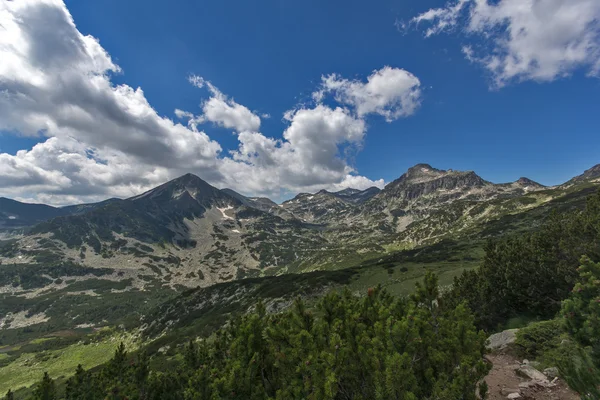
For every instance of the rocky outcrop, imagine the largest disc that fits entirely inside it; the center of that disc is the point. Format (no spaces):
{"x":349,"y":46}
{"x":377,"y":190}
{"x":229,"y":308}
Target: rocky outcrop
{"x":422,"y":179}
{"x":501,"y":340}
{"x":529,"y":372}
{"x":588,"y":175}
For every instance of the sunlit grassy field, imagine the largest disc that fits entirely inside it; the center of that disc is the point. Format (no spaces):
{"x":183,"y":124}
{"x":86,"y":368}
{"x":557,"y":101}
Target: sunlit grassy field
{"x":27,"y":368}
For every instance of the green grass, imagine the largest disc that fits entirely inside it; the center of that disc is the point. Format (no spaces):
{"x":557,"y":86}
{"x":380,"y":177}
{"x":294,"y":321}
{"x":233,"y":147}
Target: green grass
{"x":400,"y":279}
{"x":40,"y":340}
{"x":28,"y":368}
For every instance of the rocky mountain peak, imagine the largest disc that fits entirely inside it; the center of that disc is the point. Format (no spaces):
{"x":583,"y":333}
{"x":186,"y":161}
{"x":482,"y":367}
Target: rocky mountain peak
{"x":588,"y":175}
{"x":522,"y":181}
{"x":423,"y":179}
{"x":186,"y":191}
{"x":422,"y":170}
{"x":421,"y":166}
{"x":421,"y":173}
{"x":592,"y":173}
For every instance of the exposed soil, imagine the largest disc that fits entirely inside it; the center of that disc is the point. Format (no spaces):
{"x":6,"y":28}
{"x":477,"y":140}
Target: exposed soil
{"x":503,"y":379}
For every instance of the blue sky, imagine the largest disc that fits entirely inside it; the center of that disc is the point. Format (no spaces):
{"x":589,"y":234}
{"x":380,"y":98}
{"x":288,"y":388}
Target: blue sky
{"x":269,"y":56}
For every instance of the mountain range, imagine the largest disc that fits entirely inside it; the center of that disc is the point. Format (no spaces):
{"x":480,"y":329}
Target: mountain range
{"x":190,"y":233}
{"x":99,"y":264}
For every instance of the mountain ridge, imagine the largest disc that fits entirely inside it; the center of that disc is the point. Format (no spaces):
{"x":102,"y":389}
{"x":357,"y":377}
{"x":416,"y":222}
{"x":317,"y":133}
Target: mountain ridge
{"x":188,"y":232}
{"x":119,"y":254}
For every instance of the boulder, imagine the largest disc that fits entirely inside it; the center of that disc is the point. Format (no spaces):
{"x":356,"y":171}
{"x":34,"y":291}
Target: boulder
{"x":501,"y":340}
{"x":551,"y":372}
{"x":513,"y":396}
{"x":527,"y":371}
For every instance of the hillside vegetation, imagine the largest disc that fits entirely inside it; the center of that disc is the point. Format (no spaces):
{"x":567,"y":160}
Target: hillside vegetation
{"x":531,"y":273}
{"x":375,"y":347}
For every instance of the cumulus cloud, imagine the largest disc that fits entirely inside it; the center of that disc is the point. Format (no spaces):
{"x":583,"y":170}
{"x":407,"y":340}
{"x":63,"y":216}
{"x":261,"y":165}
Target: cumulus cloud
{"x":64,"y":171}
{"x":99,"y":139}
{"x":389,"y":92}
{"x":539,"y":40}
{"x":55,"y":82}
{"x":221,"y":110}
{"x":306,"y":159}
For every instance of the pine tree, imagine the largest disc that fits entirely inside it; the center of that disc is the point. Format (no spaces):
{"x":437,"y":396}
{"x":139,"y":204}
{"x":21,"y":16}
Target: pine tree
{"x":581,"y":313}
{"x":46,"y":389}
{"x":9,"y":395}
{"x":191,"y":355}
{"x":141,"y":371}
{"x":582,"y":310}
{"x":375,"y":347}
{"x":116,"y":367}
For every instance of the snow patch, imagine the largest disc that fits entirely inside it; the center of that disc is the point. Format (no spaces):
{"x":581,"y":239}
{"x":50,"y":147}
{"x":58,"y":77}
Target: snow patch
{"x":83,"y":326}
{"x":12,"y":217}
{"x":235,"y":230}
{"x":225,"y":216}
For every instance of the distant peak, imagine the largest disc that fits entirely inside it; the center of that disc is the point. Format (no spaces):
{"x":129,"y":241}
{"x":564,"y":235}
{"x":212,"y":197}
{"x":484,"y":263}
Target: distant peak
{"x":523,"y":181}
{"x":189,"y":181}
{"x":188,"y":185}
{"x":422,"y":166}
{"x":595,"y":170}
{"x":347,"y":191}
{"x":588,"y":174}
{"x":188,"y":177}
{"x":422,"y":171}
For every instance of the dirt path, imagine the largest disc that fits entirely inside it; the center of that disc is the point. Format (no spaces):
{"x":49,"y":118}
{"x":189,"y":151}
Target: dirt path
{"x":503,"y":380}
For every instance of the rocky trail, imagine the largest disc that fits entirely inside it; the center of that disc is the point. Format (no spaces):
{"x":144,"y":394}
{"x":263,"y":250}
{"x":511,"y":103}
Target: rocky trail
{"x":507,"y":380}
{"x":512,"y":378}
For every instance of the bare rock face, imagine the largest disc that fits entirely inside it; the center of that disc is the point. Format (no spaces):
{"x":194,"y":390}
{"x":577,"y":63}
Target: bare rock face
{"x":501,"y":340}
{"x":423,"y":179}
{"x":589,"y":175}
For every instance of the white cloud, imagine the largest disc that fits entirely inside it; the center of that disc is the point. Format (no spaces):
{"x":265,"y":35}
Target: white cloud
{"x":539,"y":40}
{"x":390,"y":92}
{"x":101,"y":140}
{"x":63,"y":171}
{"x":358,"y":182}
{"x":306,"y":159}
{"x":445,"y":18}
{"x":222,"y":111}
{"x":55,"y":81}
{"x":196,"y":80}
